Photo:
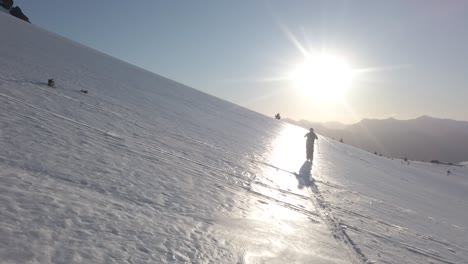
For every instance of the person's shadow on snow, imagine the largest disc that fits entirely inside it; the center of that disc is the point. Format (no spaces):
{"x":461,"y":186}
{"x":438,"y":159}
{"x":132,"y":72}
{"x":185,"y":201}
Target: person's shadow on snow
{"x":304,"y":177}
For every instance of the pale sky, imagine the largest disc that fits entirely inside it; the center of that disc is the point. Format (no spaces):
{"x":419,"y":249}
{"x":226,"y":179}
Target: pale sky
{"x":409,"y":58}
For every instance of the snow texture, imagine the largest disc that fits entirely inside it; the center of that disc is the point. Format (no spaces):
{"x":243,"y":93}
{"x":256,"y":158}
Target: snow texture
{"x":143,"y":169}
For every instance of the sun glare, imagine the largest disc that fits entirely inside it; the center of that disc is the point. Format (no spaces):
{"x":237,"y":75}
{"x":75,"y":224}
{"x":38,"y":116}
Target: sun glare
{"x":324,"y":77}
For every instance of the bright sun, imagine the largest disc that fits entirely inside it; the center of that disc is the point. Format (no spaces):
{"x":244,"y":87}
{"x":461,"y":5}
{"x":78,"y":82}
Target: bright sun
{"x":324,"y":77}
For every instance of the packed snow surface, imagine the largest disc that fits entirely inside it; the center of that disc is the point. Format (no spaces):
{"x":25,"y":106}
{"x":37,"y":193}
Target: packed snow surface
{"x":145,"y":170}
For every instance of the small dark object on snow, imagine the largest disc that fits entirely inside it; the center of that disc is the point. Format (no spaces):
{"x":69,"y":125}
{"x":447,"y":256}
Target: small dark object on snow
{"x":341,"y":140}
{"x":278,"y":116}
{"x":16,"y":12}
{"x":50,"y":82}
{"x":448,"y":173}
{"x":84,"y":91}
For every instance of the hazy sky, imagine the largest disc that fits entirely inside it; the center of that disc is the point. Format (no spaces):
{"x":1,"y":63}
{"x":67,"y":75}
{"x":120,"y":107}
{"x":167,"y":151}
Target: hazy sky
{"x":412,"y":56}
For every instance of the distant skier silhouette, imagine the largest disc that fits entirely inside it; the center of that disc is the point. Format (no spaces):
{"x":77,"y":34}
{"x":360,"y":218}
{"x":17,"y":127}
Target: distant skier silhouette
{"x":50,"y":82}
{"x":311,"y":137}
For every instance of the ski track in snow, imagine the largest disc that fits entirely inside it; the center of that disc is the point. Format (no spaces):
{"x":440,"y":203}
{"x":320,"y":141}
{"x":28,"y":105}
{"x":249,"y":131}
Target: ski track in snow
{"x":339,"y":229}
{"x":336,"y":227}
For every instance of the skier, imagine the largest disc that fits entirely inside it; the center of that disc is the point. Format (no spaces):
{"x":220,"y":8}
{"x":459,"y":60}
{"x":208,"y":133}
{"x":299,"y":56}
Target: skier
{"x":311,"y":137}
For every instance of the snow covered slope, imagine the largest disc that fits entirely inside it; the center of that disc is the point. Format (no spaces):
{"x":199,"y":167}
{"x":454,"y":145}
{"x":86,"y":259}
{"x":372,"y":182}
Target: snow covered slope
{"x":143,"y":169}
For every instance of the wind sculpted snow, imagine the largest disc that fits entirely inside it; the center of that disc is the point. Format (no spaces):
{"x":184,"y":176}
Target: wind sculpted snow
{"x":146,"y":170}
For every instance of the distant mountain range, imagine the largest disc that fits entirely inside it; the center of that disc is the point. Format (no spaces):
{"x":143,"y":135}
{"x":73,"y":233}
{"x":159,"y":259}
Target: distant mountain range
{"x":424,"y":138}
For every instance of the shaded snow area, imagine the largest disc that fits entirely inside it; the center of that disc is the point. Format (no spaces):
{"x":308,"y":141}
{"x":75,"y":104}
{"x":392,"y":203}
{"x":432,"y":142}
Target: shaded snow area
{"x":145,"y":170}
